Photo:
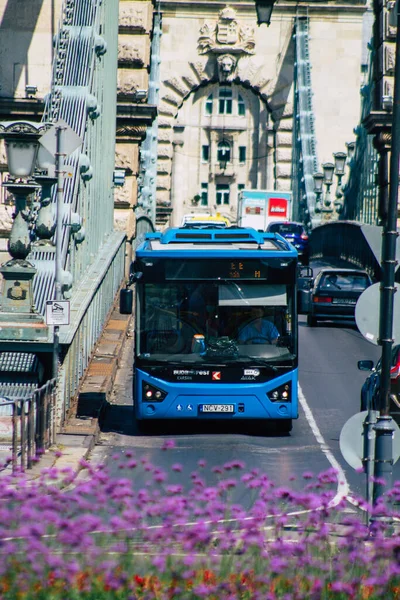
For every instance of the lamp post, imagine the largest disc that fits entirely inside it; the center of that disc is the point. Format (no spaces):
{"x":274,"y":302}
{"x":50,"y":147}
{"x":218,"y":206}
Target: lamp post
{"x":328,"y":169}
{"x":318,"y":183}
{"x":21,"y":140}
{"x":340,"y":164}
{"x":264,"y":11}
{"x":384,"y":426}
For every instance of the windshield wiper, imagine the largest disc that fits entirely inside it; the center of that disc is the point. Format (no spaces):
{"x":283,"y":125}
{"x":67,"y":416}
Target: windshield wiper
{"x":258,"y":361}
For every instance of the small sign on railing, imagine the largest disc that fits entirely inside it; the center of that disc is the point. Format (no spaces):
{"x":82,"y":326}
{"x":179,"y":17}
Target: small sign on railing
{"x":57,"y":312}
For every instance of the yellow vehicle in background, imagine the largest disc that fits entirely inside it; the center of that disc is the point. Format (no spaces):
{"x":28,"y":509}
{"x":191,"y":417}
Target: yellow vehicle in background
{"x":199,"y":219}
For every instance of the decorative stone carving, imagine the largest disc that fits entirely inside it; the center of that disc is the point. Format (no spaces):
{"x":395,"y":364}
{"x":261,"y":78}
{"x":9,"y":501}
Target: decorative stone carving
{"x":178,"y":85}
{"x":131,"y":80}
{"x":264,"y":85}
{"x":165,"y":135}
{"x":6,"y":220}
{"x":164,"y":150}
{"x":190,"y":81}
{"x":247,"y":70}
{"x":226,"y":67}
{"x":390,"y":18}
{"x":166,"y":109}
{"x":3,"y":156}
{"x":126,"y":156}
{"x":164,"y":123}
{"x":163,"y":182}
{"x":172,"y":99}
{"x":123,"y":195}
{"x":226,"y":36}
{"x":163,"y":198}
{"x":164,"y":167}
{"x":124,"y":220}
{"x":227,"y":40}
{"x":132,"y":131}
{"x":198,"y":68}
{"x":135,"y":16}
{"x":388,"y":86}
{"x":133,"y":51}
{"x":390,"y":60}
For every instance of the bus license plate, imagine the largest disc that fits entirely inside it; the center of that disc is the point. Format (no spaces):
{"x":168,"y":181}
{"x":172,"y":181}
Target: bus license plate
{"x":217,"y":408}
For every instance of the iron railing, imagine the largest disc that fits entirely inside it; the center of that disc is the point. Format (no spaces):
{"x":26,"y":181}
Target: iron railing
{"x":83,"y":95}
{"x":33,"y":425}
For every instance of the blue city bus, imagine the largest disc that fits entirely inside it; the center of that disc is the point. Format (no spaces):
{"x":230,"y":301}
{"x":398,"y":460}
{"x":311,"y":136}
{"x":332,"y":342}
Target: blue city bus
{"x":196,"y":293}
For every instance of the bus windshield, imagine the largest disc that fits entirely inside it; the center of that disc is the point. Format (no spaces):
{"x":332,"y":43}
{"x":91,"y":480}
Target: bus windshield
{"x":219,"y":321}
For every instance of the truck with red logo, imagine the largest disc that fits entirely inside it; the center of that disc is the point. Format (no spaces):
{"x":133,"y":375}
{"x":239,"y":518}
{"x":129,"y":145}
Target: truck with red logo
{"x":259,"y":208}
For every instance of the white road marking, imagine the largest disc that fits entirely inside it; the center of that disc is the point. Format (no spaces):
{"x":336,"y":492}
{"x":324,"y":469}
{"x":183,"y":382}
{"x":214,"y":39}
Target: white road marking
{"x":343,"y":488}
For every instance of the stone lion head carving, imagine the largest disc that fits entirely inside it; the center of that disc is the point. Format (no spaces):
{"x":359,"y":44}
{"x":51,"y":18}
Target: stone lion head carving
{"x":226,"y":67}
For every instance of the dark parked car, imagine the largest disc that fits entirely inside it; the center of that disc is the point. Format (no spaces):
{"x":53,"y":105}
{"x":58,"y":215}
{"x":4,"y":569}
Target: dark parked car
{"x":296,"y":234}
{"x":371,"y":386}
{"x":334,"y":294}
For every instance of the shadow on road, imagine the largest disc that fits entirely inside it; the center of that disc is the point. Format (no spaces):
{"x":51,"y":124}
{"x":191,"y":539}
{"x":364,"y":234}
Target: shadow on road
{"x":119,"y":418}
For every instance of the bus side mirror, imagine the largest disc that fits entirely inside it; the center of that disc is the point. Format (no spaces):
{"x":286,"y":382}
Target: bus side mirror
{"x":126,"y":296}
{"x":126,"y":302}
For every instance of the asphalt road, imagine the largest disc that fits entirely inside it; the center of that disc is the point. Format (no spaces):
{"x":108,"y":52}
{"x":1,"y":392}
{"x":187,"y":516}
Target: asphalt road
{"x":330,"y":386}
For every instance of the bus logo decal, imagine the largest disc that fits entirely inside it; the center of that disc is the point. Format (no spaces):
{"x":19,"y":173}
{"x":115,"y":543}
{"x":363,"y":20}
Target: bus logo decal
{"x":216,"y":375}
{"x":252,"y":372}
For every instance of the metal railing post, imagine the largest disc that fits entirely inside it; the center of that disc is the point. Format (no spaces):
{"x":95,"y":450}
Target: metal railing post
{"x":30,"y":432}
{"x":23,"y":434}
{"x":14,"y":437}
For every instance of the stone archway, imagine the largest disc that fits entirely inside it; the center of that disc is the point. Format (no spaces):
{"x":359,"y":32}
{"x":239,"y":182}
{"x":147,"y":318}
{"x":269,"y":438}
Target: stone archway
{"x":233,"y":63}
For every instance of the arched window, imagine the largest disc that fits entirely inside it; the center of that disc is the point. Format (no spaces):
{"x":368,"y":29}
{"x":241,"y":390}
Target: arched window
{"x":209,"y":105}
{"x":224,"y":152}
{"x":225,"y":101}
{"x":241,"y":106}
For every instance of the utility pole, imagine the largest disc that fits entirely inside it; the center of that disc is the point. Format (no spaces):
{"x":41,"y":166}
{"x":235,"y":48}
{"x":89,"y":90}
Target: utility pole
{"x":384,"y":426}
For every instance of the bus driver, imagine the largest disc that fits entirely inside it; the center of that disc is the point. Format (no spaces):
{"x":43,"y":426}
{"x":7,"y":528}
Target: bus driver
{"x":259,"y":330}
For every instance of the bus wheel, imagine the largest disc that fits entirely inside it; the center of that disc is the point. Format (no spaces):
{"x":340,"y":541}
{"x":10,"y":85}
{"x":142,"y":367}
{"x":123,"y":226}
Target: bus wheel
{"x":285,"y":425}
{"x":311,"y":321}
{"x":145,"y":427}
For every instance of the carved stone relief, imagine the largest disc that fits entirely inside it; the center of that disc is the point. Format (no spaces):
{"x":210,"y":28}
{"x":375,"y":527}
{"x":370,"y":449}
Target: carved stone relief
{"x":164,"y":150}
{"x":198,"y":68}
{"x":178,"y":86}
{"x":227,"y":41}
{"x":131,"y":80}
{"x":164,"y":166}
{"x":172,"y":99}
{"x":126,"y":156}
{"x":123,"y":195}
{"x":390,"y":59}
{"x":135,"y":15}
{"x":227,"y":35}
{"x":133,"y":51}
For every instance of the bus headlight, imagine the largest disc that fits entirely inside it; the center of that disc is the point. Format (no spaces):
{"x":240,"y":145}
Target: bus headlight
{"x":150,"y":393}
{"x":283,"y":393}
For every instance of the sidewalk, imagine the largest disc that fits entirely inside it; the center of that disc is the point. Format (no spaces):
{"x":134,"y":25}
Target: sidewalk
{"x":81,"y":429}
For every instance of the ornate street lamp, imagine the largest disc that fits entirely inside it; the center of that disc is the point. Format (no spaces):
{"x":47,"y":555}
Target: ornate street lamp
{"x":318,"y":183}
{"x":329,"y":169}
{"x":340,"y":164}
{"x":351,"y":148}
{"x":21,"y":139}
{"x":264,"y":11}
